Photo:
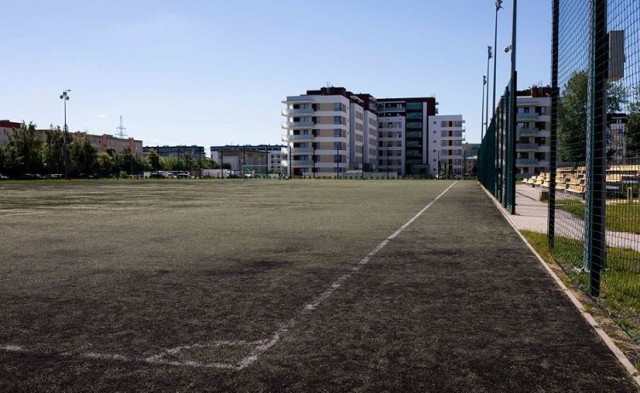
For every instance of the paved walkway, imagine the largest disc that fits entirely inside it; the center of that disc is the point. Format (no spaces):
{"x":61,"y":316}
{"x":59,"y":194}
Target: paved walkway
{"x":531,"y":214}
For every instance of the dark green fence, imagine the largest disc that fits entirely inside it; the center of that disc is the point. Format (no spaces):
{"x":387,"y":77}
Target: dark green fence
{"x":594,"y":195}
{"x":496,"y":161}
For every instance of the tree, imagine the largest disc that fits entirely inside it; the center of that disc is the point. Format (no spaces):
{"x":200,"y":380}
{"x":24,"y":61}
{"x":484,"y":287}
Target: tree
{"x":84,"y":156}
{"x":632,"y":128}
{"x":186,"y":161}
{"x":573,"y":113}
{"x":53,"y":154}
{"x":154,"y":159}
{"x":572,"y":119}
{"x":105,"y":164}
{"x":23,"y":152}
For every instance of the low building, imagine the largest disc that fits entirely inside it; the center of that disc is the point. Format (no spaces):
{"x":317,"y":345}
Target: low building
{"x":260,"y":159}
{"x":197,"y":152}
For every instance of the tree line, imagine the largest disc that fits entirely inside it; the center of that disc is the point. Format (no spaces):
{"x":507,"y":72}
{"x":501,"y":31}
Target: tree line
{"x":573,"y":116}
{"x":26,"y":154}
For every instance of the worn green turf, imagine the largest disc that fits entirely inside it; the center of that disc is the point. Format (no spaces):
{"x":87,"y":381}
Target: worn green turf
{"x":455,"y":303}
{"x":622,"y":216}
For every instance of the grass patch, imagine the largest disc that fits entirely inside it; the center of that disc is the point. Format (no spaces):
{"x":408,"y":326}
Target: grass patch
{"x":623,"y":216}
{"x":620,"y":281}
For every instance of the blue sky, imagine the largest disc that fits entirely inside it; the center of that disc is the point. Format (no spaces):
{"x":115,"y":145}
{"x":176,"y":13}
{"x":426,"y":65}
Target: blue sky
{"x":215,"y":72}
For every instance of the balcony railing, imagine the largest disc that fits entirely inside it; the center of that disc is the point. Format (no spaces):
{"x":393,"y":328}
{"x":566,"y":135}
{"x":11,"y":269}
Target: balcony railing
{"x":527,"y":131}
{"x":294,"y":112}
{"x":301,"y":150}
{"x":297,"y":124}
{"x":301,"y":163}
{"x":527,"y":146}
{"x":297,"y":138}
{"x":527,"y":116}
{"x":526,"y":161}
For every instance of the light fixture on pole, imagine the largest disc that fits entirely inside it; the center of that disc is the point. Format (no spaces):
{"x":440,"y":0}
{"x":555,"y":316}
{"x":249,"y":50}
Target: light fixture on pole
{"x":65,"y":97}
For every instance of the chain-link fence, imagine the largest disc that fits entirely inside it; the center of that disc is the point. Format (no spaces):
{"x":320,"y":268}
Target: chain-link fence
{"x":496,"y":163}
{"x":594,"y":194}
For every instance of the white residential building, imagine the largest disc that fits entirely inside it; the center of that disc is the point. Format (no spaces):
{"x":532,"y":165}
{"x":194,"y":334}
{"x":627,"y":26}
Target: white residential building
{"x":325,"y":132}
{"x":534,"y":131}
{"x":446,"y":134}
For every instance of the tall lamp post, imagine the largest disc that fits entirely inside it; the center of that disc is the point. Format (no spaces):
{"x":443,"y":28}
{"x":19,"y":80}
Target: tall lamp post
{"x":513,"y":110}
{"x":65,"y":97}
{"x":484,"y":82}
{"x":486,"y":113}
{"x":495,"y":58}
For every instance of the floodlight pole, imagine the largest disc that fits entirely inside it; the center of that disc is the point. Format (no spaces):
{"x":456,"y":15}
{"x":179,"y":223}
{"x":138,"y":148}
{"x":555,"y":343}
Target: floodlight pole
{"x":65,"y":97}
{"x":514,"y":111}
{"x":484,"y":82}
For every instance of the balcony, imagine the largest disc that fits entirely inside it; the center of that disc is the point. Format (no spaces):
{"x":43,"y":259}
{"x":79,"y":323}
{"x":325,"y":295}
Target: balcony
{"x":526,"y":131}
{"x":302,"y":150}
{"x":289,"y":125}
{"x":296,"y":112}
{"x":527,"y":162}
{"x":527,"y":116}
{"x":300,"y":138}
{"x":299,"y":163}
{"x":527,"y":147}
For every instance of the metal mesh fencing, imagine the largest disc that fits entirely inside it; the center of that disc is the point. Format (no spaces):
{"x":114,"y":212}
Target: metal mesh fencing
{"x":496,"y":163}
{"x":594,"y":209}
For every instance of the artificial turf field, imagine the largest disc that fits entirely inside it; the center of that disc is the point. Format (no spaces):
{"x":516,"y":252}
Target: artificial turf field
{"x":280,"y":286}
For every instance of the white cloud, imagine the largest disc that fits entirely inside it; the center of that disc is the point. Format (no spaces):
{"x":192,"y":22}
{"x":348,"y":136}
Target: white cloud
{"x":101,"y":116}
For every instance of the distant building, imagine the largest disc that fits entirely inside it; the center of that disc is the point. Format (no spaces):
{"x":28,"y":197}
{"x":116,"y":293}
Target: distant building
{"x":330,"y":131}
{"x":197,"y":152}
{"x":6,"y":129}
{"x":404,"y":135}
{"x":470,"y":149}
{"x":251,"y":158}
{"x":101,"y":142}
{"x":105,"y":142}
{"x":616,"y":144}
{"x":533,"y":118}
{"x":470,"y":166}
{"x":445,"y":137}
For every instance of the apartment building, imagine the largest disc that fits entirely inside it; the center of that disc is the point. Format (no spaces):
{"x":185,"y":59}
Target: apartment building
{"x":328,"y":132}
{"x":403,"y":130}
{"x":534,"y":131}
{"x":446,"y":134}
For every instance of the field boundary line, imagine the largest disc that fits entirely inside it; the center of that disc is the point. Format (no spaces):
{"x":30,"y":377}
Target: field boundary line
{"x":154,"y":359}
{"x":622,"y":358}
{"x":309,"y":307}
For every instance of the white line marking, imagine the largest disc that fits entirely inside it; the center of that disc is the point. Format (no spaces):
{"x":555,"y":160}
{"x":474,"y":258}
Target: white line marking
{"x":122,"y":358}
{"x":308,"y":308}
